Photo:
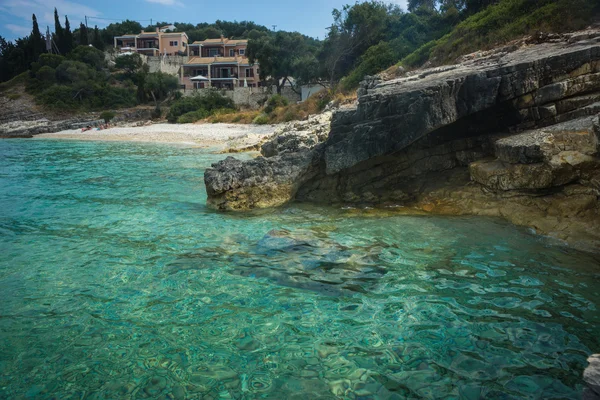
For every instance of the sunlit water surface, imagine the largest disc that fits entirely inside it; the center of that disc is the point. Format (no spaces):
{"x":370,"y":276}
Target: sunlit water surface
{"x":117,"y":282}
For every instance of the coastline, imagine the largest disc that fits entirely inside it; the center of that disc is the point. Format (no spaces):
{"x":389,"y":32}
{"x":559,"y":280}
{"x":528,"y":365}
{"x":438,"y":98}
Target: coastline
{"x":224,"y":136}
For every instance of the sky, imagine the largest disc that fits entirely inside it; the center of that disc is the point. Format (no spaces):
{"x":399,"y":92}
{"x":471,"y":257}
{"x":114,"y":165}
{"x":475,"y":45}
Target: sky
{"x":310,"y":17}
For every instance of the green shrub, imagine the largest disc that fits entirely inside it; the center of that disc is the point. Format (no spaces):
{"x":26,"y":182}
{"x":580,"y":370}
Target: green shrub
{"x":46,"y":75}
{"x":156,"y":113}
{"x":59,"y":97}
{"x":88,"y":55}
{"x":376,"y":59}
{"x":209,"y":102}
{"x":107,"y":116}
{"x":192,"y":116}
{"x":74,"y":72}
{"x":505,"y":21}
{"x":128,"y":62}
{"x":262,"y":119}
{"x":275,"y":101}
{"x":51,"y":60}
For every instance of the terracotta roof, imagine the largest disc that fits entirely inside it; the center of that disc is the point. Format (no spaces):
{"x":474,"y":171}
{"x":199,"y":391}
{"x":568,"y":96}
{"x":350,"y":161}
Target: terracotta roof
{"x":222,"y":41}
{"x":217,"y":60}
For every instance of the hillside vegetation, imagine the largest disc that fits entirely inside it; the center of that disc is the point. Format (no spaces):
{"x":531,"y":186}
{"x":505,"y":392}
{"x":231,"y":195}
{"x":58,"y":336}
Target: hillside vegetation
{"x":364,"y":38}
{"x":502,"y":22}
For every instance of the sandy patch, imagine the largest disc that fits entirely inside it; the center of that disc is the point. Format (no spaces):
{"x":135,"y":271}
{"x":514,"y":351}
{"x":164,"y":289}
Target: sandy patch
{"x":198,"y":135}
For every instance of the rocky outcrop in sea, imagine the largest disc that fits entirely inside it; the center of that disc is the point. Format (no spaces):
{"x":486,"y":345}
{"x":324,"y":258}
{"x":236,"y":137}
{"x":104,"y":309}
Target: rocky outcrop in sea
{"x":512,"y":133}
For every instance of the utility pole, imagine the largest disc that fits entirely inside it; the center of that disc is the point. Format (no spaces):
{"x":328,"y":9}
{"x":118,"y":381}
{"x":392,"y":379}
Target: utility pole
{"x":48,"y":40}
{"x":274,"y":27}
{"x":86,"y":22}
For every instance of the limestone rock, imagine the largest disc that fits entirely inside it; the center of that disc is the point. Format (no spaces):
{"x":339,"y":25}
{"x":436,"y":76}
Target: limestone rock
{"x":511,"y":132}
{"x":299,"y":135}
{"x":232,"y":184}
{"x":591,"y":375}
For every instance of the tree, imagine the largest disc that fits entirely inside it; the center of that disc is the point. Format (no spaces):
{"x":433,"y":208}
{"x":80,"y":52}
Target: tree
{"x":59,"y":32}
{"x":120,"y":29}
{"x":83,"y":35}
{"x":97,"y":39}
{"x":279,"y":56}
{"x":37,"y":43}
{"x":68,"y":37}
{"x":160,"y":86}
{"x":354,"y":29}
{"x":130,"y":63}
{"x":89,"y":55}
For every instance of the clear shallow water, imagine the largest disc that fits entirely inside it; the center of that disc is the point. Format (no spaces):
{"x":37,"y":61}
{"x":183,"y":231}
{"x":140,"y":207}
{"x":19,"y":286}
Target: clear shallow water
{"x":117,"y":282}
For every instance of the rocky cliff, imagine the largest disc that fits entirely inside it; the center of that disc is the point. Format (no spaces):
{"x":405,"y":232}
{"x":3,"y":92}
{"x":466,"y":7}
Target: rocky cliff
{"x":21,"y":118}
{"x":513,"y":133}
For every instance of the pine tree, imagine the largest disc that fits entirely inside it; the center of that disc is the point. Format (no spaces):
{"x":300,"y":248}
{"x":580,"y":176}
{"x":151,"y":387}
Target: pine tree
{"x":97,"y":41}
{"x":68,"y":38}
{"x":59,"y":33}
{"x":37,"y":44}
{"x":83,"y":35}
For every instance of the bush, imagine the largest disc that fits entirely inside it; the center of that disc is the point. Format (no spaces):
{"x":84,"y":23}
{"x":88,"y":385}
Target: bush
{"x":192,"y":116}
{"x":209,"y":102}
{"x":262,"y":119}
{"x":156,"y":113}
{"x":74,"y":72}
{"x":376,"y":59}
{"x":505,"y":21}
{"x":275,"y":101}
{"x":88,"y":55}
{"x":107,"y":116}
{"x":128,"y":62}
{"x":46,"y":75}
{"x":58,"y":97}
{"x":51,"y":60}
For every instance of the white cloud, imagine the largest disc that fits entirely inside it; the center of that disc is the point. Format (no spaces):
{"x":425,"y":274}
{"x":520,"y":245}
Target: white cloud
{"x":18,"y":29}
{"x":44,"y":11}
{"x":166,"y":2}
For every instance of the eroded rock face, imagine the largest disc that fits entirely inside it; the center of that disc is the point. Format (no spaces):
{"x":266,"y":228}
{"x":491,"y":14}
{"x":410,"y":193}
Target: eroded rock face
{"x":514,"y":135}
{"x":591,"y":376}
{"x":272,"y":180}
{"x":299,"y":135}
{"x":234,"y":185}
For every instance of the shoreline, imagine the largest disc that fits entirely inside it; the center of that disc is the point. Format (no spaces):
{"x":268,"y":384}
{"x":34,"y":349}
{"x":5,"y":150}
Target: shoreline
{"x":223,"y":136}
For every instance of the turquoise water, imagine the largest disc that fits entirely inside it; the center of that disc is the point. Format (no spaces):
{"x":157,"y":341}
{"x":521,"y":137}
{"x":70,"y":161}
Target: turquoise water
{"x":117,"y":282}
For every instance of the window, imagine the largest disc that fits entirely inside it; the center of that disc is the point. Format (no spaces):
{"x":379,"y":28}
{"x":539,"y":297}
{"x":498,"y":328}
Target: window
{"x":231,"y":52}
{"x":173,"y":43}
{"x":242,"y":52}
{"x":213,"y":52}
{"x":249,"y":73}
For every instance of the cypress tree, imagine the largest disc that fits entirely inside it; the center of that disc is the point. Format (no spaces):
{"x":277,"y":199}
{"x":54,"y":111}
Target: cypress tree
{"x":68,"y":38}
{"x":37,"y":43}
{"x":83,"y":35}
{"x":97,"y":41}
{"x":59,"y":33}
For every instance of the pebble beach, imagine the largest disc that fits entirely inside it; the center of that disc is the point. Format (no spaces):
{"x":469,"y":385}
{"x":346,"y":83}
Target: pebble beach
{"x":197,"y":135}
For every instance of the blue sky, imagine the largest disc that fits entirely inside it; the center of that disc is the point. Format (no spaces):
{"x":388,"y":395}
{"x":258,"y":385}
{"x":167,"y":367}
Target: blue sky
{"x":310,"y":17}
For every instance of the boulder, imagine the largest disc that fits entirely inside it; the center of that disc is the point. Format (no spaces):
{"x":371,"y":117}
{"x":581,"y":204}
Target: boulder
{"x":591,"y":375}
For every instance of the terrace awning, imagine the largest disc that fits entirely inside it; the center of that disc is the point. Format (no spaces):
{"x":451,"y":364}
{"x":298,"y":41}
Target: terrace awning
{"x":199,"y":78}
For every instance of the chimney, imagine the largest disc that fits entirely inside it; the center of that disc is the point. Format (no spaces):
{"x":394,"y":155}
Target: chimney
{"x":157,"y":29}
{"x":222,"y":38}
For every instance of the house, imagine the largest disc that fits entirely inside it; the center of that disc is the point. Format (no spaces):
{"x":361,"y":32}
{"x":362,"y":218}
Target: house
{"x":153,"y":43}
{"x":168,"y":28}
{"x":223,"y":62}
